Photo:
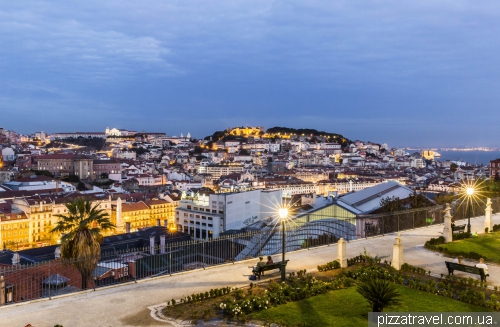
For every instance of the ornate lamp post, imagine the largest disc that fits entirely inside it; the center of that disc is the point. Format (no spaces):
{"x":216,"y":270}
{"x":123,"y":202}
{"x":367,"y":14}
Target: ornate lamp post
{"x":283,"y":214}
{"x":470,"y":192}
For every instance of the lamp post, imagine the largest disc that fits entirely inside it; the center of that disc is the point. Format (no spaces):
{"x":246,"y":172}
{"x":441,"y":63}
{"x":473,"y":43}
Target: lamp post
{"x":469,"y":191}
{"x":283,"y":213}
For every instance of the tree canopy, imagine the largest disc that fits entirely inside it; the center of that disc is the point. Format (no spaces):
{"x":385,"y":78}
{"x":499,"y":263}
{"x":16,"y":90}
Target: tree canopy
{"x":81,"y":234}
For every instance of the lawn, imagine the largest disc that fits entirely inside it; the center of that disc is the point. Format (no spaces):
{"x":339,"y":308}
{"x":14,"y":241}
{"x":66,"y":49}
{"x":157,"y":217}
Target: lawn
{"x":348,"y":308}
{"x":487,"y":245}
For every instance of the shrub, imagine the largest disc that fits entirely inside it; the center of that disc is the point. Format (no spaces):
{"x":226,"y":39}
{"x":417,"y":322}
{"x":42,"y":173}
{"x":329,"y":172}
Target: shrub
{"x":413,"y":269}
{"x":461,"y":236}
{"x":433,"y":242}
{"x":379,"y":293}
{"x":329,"y":266}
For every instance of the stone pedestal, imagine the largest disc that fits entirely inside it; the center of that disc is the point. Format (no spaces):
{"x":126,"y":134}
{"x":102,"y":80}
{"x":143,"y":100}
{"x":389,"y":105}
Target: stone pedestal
{"x":488,"y":222}
{"x":162,"y":244}
{"x":397,"y":253}
{"x":152,"y":245}
{"x":341,"y":249}
{"x":447,"y":230}
{"x":2,"y":290}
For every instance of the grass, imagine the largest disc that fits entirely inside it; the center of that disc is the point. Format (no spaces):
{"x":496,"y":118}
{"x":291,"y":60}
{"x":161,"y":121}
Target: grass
{"x":348,"y":308}
{"x":487,"y":245}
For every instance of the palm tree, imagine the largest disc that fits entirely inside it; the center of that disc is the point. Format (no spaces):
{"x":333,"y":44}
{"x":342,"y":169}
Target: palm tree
{"x":379,"y":293}
{"x":81,"y":241}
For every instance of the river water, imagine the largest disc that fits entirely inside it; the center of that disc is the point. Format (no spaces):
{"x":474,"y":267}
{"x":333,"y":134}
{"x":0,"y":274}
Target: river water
{"x":471,"y":157}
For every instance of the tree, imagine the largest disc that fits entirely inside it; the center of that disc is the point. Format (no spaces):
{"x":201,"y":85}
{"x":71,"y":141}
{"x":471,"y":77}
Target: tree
{"x":393,"y":204}
{"x":444,"y":198}
{"x":81,"y":186}
{"x":379,"y":293}
{"x":72,"y":178}
{"x":81,"y":241}
{"x":418,"y":200}
{"x":453,"y":167}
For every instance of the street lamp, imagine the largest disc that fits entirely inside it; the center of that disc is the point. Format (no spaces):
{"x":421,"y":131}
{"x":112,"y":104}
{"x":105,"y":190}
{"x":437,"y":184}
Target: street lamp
{"x":283,"y":213}
{"x":469,"y":191}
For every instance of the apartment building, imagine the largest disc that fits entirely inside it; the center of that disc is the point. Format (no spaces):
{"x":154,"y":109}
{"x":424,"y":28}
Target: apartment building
{"x":66,"y":164}
{"x":42,"y":211}
{"x":162,"y":212}
{"x":205,"y":216}
{"x":14,"y":230}
{"x":311,"y":176}
{"x":220,"y":170}
{"x":135,"y":215}
{"x":342,"y":186}
{"x":494,"y":168}
{"x":111,"y":168}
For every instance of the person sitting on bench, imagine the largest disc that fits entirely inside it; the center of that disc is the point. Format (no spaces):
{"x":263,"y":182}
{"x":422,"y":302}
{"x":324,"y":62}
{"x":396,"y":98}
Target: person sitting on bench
{"x":481,"y":264}
{"x":269,"y":260}
{"x":458,"y":259}
{"x":260,"y":263}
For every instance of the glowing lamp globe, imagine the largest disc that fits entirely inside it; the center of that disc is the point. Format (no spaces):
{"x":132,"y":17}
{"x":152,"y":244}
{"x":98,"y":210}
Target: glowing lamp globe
{"x":470,"y":191}
{"x":283,"y":213}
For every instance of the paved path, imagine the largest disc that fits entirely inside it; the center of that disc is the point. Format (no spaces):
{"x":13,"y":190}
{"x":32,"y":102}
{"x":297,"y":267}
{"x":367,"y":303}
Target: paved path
{"x":124,"y":305}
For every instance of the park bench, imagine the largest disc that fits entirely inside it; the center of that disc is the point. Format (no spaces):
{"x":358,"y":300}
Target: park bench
{"x":458,"y":228}
{"x":259,"y":270}
{"x":468,"y":269}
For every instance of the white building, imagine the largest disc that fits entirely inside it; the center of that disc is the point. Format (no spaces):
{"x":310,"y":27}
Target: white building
{"x":205,"y":216}
{"x":417,"y":163}
{"x":118,"y":132}
{"x":220,"y":170}
{"x":230,"y":144}
{"x":35,"y":183}
{"x":272,"y":147}
{"x":8,"y":154}
{"x":126,"y":155}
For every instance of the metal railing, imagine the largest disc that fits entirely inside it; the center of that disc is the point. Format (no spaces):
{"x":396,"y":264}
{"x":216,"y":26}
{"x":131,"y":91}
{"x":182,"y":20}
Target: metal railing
{"x":380,"y":224}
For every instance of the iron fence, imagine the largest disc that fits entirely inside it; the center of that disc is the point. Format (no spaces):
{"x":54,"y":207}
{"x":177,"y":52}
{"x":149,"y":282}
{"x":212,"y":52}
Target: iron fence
{"x":495,"y":205}
{"x":380,"y":224}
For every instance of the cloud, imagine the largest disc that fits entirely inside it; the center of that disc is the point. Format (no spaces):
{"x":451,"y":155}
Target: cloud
{"x":77,"y":49}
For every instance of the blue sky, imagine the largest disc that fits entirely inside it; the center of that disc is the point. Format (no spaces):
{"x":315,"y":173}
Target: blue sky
{"x":407,"y":73}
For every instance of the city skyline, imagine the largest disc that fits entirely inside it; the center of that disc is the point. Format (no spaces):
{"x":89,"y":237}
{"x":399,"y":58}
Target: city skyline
{"x":419,"y":74}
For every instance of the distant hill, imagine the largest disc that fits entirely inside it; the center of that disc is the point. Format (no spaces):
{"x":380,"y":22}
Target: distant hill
{"x":95,"y":143}
{"x":242,"y":134}
{"x":331,"y":137}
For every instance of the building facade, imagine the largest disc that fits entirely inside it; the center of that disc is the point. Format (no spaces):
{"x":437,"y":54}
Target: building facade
{"x":494,"y":168}
{"x":61,"y":165}
{"x":205,"y":216}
